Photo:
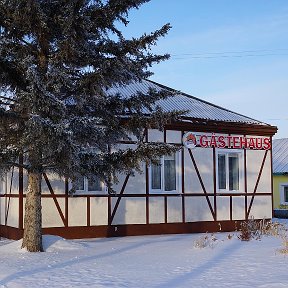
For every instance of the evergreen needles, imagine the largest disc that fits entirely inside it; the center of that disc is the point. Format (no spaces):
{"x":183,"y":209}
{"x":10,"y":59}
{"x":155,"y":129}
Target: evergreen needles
{"x":59,"y":62}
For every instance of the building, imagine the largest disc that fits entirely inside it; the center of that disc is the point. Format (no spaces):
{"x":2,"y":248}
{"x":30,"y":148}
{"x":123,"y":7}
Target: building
{"x":280,"y":174}
{"x":221,"y":176}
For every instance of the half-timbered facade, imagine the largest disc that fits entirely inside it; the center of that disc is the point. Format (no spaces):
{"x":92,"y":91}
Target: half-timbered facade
{"x":221,"y":175}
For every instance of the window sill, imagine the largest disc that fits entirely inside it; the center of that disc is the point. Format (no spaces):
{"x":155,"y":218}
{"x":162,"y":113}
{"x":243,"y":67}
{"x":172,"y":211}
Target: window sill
{"x":84,"y":193}
{"x":163,"y":193}
{"x":224,"y":193}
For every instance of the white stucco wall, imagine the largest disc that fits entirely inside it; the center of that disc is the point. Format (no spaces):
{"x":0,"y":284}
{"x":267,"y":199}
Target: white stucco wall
{"x":156,"y":210}
{"x":2,"y":211}
{"x":99,"y":211}
{"x":155,"y":135}
{"x":130,"y":211}
{"x":77,"y":215}
{"x":197,"y":209}
{"x":173,"y":137}
{"x":238,"y":208}
{"x":13,"y":215}
{"x":254,"y":162}
{"x":261,"y":208}
{"x":174,"y":209}
{"x":136,"y":183}
{"x":223,"y":208}
{"x":50,"y":214}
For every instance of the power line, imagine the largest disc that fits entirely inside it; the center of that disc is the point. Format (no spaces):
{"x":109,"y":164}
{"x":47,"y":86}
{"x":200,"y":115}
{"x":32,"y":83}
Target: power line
{"x":277,"y":119}
{"x":227,"y":56}
{"x":231,"y":54}
{"x":227,"y":52}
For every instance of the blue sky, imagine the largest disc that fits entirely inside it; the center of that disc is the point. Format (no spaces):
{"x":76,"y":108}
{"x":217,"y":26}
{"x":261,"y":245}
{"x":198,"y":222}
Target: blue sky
{"x":233,"y":53}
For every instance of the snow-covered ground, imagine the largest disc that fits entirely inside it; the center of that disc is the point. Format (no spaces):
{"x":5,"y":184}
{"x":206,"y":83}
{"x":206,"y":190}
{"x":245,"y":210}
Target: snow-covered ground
{"x":146,"y":261}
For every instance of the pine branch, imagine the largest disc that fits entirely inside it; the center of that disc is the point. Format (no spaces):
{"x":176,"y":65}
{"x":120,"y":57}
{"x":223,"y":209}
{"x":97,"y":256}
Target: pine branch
{"x":16,"y":164}
{"x":58,"y":58}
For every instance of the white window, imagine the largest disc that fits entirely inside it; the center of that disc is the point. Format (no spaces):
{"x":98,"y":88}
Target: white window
{"x":88,"y":185}
{"x":164,"y":176}
{"x":3,"y":184}
{"x":284,"y":193}
{"x":229,"y":170}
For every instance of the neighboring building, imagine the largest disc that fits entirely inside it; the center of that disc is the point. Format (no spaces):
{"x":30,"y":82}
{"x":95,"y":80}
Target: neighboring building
{"x":280,"y":173}
{"x":221,"y":176}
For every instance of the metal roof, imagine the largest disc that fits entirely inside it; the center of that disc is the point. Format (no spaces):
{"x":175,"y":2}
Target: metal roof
{"x":280,"y":156}
{"x":196,"y":107}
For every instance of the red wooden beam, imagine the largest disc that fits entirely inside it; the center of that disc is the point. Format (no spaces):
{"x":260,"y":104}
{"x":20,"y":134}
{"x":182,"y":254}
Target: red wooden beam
{"x":88,"y":211}
{"x":66,"y":201}
{"x":147,"y":194}
{"x":245,"y":184}
{"x":183,"y":185}
{"x":214,"y":183}
{"x":271,"y":179}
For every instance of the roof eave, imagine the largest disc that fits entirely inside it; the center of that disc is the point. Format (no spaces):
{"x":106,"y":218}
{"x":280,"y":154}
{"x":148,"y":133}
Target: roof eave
{"x":198,"y":125}
{"x":280,"y":173}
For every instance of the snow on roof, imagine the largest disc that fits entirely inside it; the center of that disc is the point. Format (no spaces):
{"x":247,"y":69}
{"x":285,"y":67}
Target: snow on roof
{"x":280,"y":156}
{"x":196,"y":107}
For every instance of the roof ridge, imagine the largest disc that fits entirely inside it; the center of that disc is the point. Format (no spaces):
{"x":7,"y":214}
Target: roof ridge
{"x":206,"y":102}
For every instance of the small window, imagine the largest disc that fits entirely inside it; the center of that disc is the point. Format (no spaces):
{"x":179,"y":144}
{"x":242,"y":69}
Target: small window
{"x":94,"y":184}
{"x":170,"y":173}
{"x":163,"y":174}
{"x":233,"y":167}
{"x":88,"y":185}
{"x":156,"y":177}
{"x":3,"y":183}
{"x":228,"y":174}
{"x":284,"y":193}
{"x":79,"y":184}
{"x":221,"y":171}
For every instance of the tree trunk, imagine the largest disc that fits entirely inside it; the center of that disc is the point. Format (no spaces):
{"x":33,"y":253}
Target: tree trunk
{"x":32,"y":239}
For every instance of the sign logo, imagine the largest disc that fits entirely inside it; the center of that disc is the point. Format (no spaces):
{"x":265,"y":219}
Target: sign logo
{"x":189,"y":140}
{"x":210,"y":140}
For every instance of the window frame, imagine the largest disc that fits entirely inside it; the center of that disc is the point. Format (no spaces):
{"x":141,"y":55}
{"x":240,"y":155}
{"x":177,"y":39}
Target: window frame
{"x":87,"y":192}
{"x":282,"y":194}
{"x":4,"y":184}
{"x":178,"y":156}
{"x":226,"y":152}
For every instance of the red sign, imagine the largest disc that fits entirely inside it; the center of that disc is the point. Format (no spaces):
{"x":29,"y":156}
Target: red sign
{"x":191,"y":140}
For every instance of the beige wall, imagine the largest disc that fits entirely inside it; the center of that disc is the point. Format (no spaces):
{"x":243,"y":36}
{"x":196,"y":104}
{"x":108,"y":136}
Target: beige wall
{"x":278,"y":181}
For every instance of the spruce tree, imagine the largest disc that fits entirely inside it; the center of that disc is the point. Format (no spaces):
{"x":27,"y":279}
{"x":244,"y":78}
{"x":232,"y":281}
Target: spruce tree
{"x":58,"y":62}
